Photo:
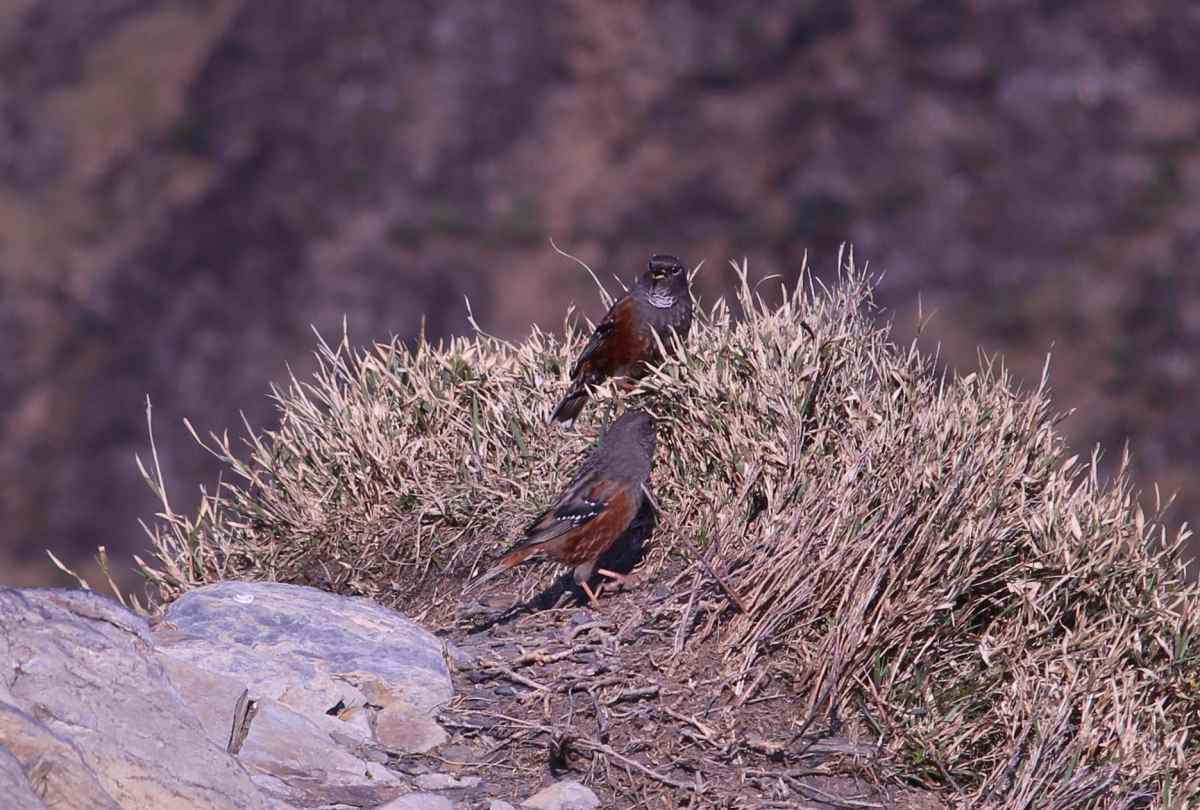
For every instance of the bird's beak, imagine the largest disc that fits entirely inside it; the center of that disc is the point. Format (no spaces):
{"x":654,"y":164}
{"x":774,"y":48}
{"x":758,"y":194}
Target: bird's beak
{"x":658,"y":275}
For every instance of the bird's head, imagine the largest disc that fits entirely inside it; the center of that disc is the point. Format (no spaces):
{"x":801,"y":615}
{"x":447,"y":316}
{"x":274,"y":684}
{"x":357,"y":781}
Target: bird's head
{"x":665,"y":278}
{"x":635,"y":429}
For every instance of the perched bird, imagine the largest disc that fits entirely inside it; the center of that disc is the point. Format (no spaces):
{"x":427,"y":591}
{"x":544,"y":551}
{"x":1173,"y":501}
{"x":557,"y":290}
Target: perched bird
{"x":595,"y":508}
{"x":623,"y":343}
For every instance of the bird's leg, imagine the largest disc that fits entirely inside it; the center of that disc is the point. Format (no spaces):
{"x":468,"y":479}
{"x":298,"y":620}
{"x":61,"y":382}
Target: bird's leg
{"x":593,"y":596}
{"x":621,"y":580}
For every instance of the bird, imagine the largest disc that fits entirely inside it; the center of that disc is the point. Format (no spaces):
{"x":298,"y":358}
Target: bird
{"x":624,"y":341}
{"x":595,"y":508}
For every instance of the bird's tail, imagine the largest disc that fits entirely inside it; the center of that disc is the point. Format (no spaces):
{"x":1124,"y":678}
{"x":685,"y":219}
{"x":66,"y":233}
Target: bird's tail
{"x":509,"y":560}
{"x":571,"y":405}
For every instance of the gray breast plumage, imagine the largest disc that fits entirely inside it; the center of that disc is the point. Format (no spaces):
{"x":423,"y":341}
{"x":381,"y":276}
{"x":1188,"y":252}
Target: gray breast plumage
{"x":675,"y":317}
{"x":660,"y":299}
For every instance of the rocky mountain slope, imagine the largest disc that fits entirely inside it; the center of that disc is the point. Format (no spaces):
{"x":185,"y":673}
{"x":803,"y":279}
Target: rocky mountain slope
{"x":187,"y":185}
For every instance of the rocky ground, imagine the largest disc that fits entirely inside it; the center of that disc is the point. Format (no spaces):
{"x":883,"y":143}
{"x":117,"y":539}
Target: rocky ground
{"x":258,"y":695}
{"x":619,"y":697}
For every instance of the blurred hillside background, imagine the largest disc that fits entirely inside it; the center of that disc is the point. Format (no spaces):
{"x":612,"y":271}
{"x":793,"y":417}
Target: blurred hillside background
{"x":187,"y":185}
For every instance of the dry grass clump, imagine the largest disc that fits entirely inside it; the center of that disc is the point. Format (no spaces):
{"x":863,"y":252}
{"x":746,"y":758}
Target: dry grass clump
{"x":913,"y":551}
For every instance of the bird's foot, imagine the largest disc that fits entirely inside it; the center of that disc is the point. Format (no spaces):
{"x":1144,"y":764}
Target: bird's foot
{"x":593,"y":596}
{"x":621,"y":581}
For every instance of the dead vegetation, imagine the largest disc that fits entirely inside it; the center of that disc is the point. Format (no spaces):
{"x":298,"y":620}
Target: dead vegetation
{"x":844,"y":528}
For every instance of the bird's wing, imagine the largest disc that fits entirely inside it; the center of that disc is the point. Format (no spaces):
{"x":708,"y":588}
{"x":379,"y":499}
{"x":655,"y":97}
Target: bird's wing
{"x":582,"y":502}
{"x":585,"y":500}
{"x":604,"y":330}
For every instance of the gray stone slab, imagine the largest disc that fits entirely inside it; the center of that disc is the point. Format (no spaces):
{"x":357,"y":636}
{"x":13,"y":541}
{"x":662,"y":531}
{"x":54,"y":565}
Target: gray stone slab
{"x":89,"y":695}
{"x":273,"y":637}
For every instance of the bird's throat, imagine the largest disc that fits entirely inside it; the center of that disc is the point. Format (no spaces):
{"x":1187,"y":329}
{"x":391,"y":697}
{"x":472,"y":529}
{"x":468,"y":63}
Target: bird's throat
{"x":660,"y":299}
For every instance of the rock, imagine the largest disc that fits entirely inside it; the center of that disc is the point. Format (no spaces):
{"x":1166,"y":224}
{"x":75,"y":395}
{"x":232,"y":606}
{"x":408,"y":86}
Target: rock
{"x":14,"y":785}
{"x":334,"y":660}
{"x":213,"y":697}
{"x":498,"y":804}
{"x":339,"y":707}
{"x":48,"y":763}
{"x":401,"y":727}
{"x":318,"y":667}
{"x":420,"y":801}
{"x":462,"y":658}
{"x":309,"y":766}
{"x":565,"y":795}
{"x":246,"y":695}
{"x":93,"y":719}
{"x":455,"y":756}
{"x":442,"y":781}
{"x":274,"y":637}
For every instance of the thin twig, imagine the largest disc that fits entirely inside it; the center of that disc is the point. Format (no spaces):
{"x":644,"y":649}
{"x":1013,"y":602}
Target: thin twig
{"x":594,"y":745}
{"x":492,"y":665}
{"x":541,"y":657}
{"x":692,"y":721}
{"x":583,"y":628}
{"x":685,"y":618}
{"x":605,"y":297}
{"x":637,"y":693}
{"x":726,"y":588}
{"x":633,"y":763}
{"x":820,"y":795}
